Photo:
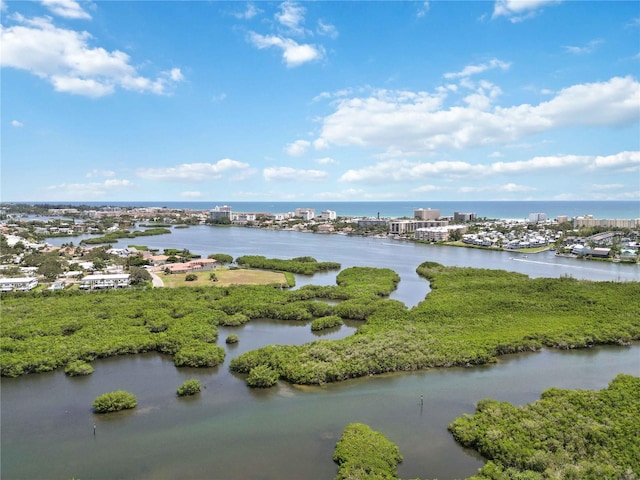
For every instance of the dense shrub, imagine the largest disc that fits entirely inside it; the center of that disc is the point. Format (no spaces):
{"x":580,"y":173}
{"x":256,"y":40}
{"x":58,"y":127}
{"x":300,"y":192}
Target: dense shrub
{"x":190,"y":277}
{"x":566,"y":434}
{"x":233,"y":338}
{"x":199,"y":355}
{"x":300,"y":265}
{"x":363,"y":453}
{"x":326,"y":322}
{"x":234,"y":320}
{"x":262,"y":377}
{"x":221,"y":257}
{"x":114,"y":401}
{"x":189,"y":387}
{"x":78,"y":368}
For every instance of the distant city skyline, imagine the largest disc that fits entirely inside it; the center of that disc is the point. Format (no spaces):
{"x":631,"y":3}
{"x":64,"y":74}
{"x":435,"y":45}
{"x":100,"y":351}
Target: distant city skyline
{"x":320,"y":101}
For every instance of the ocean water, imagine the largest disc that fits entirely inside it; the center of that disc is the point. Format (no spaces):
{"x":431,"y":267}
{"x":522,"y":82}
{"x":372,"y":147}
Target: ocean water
{"x":483,"y":209}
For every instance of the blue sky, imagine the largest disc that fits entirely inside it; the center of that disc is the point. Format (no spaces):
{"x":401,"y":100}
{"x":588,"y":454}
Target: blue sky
{"x":313,"y":101}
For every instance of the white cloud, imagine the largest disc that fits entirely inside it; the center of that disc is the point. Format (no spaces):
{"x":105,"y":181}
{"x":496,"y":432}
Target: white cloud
{"x":100,"y":173}
{"x":196,"y":171}
{"x":17,"y":123}
{"x":72,"y":191}
{"x":507,"y":188}
{"x":588,"y":48}
{"x":292,"y":174}
{"x":408,"y":123}
{"x":326,"y":29}
{"x":404,"y":170}
{"x":67,"y":9}
{"x":298,"y":148}
{"x":293,"y":53}
{"x":476,"y":69}
{"x":65,"y":59}
{"x":291,"y":16}
{"x":422,"y":9}
{"x":325,"y":161}
{"x":519,"y":10}
{"x":248,"y":13}
{"x":496,"y":155}
{"x":429,"y":188}
{"x":192,"y":194}
{"x":627,"y":161}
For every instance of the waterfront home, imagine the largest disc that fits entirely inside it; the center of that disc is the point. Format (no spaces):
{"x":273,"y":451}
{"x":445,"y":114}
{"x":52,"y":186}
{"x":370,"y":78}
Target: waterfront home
{"x":20,"y":284}
{"x":102,"y":281}
{"x":199,"y":265}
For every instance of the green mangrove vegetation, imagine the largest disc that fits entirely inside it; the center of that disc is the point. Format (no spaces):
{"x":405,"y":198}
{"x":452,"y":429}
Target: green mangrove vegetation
{"x":300,"y":265}
{"x":114,"y":402}
{"x":582,"y":434}
{"x":233,"y":338}
{"x":323,"y":323}
{"x":262,"y":377}
{"x":365,"y":454}
{"x":569,"y":434}
{"x":189,"y":387}
{"x":113,"y":237}
{"x":470,"y":317}
{"x":78,"y":368}
{"x":44,"y":331}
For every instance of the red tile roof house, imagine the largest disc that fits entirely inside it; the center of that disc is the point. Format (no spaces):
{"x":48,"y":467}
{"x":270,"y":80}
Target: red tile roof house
{"x":200,"y":265}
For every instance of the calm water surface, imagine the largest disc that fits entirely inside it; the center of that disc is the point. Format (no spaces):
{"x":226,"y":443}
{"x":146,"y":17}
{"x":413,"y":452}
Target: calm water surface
{"x":232,"y":432}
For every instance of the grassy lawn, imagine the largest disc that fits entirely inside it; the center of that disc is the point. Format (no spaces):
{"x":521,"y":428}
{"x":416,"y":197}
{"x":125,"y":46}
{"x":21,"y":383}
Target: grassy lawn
{"x":225,"y":277}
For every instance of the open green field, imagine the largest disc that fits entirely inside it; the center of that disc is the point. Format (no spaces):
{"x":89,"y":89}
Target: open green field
{"x":225,"y":277}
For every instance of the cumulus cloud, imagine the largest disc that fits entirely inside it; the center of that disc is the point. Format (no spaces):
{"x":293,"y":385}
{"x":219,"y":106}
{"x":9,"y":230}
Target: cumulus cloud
{"x":72,"y":191}
{"x":403,"y":170}
{"x":17,"y":123}
{"x":519,"y":10}
{"x":415,"y":122}
{"x":293,"y":174}
{"x":226,"y":167}
{"x":67,"y":9}
{"x":65,"y":59}
{"x":298,"y":148}
{"x":476,"y":69}
{"x":293,"y":53}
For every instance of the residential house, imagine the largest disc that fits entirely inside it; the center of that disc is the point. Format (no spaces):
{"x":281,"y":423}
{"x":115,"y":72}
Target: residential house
{"x":102,"y":281}
{"x":19,"y":284}
{"x":199,"y":265}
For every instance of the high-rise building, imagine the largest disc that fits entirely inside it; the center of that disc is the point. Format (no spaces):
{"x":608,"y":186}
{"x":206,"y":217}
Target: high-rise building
{"x":428,"y":214}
